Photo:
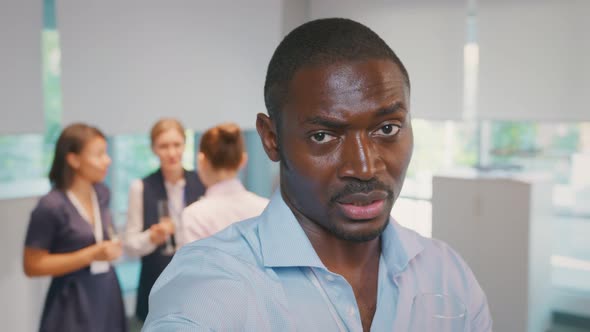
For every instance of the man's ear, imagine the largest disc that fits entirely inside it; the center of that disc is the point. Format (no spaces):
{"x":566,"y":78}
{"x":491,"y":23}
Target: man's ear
{"x":268,"y":136}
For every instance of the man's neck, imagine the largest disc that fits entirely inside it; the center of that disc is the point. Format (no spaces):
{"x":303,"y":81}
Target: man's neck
{"x":357,"y":262}
{"x":344,"y":257}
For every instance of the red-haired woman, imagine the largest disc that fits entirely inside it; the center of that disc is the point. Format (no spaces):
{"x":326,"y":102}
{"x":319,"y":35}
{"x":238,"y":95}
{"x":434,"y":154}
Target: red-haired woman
{"x":221,"y":156}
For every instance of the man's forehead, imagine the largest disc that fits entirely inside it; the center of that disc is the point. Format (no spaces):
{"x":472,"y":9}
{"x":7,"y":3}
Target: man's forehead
{"x":352,"y":70}
{"x":347,"y":83}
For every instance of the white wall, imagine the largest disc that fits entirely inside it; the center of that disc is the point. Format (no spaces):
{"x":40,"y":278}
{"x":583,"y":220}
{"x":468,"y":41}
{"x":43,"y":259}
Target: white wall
{"x":534,"y":59}
{"x":501,"y":227}
{"x":428,"y":36}
{"x":22,"y":298}
{"x":127,"y":63}
{"x":21,"y":24}
{"x":295,"y":13}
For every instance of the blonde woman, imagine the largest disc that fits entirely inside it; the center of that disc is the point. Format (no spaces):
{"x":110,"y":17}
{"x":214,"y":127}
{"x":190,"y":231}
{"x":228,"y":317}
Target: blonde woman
{"x":171,"y":185}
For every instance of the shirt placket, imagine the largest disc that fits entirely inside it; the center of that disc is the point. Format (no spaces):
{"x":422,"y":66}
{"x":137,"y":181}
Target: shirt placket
{"x":342,"y":297}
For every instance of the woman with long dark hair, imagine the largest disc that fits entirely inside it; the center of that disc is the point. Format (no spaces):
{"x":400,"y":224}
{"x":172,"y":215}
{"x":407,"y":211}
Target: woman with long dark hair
{"x":68,"y":238}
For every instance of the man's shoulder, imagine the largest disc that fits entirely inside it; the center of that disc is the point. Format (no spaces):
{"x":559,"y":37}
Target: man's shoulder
{"x":437,"y":267}
{"x":440,"y":250}
{"x":212,"y":205}
{"x":223,"y":271}
{"x":429,"y":244}
{"x":259,"y":200}
{"x":433,"y":252}
{"x":235,"y":245}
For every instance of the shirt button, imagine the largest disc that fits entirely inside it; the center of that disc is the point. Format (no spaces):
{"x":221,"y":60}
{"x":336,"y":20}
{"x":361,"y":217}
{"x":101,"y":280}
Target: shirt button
{"x":330,"y":277}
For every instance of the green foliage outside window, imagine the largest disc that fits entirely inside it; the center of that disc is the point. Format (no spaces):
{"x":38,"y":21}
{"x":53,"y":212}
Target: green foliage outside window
{"x":28,"y":156}
{"x":52,"y":93}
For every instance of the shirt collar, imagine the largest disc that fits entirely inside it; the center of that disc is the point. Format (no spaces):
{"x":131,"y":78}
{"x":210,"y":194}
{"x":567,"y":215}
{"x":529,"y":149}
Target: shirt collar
{"x":225,"y":187}
{"x":399,"y":246}
{"x":285,"y":244}
{"x":177,"y":185}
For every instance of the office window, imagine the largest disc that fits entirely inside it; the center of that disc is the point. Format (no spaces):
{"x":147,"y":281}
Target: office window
{"x":563,"y":150}
{"x":25,"y":159}
{"x":559,"y":149}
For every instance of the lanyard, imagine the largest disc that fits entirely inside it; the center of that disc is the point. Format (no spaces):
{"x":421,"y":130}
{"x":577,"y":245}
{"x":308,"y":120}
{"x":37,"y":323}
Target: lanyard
{"x":98,"y":236}
{"x":316,"y":282}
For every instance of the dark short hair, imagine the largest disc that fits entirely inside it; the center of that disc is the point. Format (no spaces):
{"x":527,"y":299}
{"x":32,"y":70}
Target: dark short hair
{"x":71,"y":140}
{"x":321,"y":42}
{"x":223,"y":146}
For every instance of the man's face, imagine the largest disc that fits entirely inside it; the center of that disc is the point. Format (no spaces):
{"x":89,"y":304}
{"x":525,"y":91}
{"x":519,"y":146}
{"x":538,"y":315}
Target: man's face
{"x":346,"y":142}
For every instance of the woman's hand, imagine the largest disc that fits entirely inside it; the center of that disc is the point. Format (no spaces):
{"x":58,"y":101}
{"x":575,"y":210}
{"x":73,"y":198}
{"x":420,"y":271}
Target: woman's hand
{"x":158,"y":234}
{"x":167,"y":224}
{"x":108,"y":250}
{"x":40,"y":262}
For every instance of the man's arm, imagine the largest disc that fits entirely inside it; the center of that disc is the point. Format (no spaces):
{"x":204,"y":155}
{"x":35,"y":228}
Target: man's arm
{"x":200,"y":290}
{"x":175,"y":323}
{"x":479,"y":316}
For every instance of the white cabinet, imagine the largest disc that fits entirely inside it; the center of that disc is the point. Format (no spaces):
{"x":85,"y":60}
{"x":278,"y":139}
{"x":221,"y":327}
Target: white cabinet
{"x":501,"y":226}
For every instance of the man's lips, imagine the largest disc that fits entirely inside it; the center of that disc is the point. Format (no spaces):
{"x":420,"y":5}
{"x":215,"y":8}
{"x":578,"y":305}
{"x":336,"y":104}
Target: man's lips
{"x":363,"y":198}
{"x":363,"y":206}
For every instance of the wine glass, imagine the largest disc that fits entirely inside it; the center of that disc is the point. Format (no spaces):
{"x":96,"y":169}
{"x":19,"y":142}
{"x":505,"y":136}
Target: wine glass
{"x":437,"y":312}
{"x":164,"y":216}
{"x":117,"y":227}
{"x":116,"y":232}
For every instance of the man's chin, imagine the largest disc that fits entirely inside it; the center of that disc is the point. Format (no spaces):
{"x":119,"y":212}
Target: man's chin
{"x":362,"y":231}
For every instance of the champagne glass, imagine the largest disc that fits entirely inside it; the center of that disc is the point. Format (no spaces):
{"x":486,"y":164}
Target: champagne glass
{"x":437,"y":312}
{"x":116,"y":232}
{"x":116,"y":227}
{"x":164,"y":216}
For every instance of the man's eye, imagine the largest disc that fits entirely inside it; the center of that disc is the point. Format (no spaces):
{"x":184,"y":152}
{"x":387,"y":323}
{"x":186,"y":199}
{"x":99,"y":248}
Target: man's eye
{"x":322,"y":137}
{"x":388,"y":130}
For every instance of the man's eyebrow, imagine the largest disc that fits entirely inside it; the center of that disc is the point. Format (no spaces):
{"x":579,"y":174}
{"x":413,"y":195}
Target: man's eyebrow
{"x":393,"y":108}
{"x":326,"y":122}
{"x":332,"y":123}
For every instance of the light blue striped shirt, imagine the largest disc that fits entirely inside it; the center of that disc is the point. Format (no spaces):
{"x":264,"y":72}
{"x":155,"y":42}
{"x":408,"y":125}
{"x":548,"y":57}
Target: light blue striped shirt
{"x":263,"y":274}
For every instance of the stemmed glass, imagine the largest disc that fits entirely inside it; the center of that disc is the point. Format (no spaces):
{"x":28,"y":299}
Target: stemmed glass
{"x":116,"y":232}
{"x":163,"y":217}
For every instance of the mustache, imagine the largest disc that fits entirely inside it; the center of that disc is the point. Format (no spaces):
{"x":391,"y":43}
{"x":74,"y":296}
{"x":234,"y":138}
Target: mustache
{"x":358,"y":186}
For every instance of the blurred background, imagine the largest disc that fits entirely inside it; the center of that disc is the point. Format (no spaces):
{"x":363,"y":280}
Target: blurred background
{"x":499,"y":91}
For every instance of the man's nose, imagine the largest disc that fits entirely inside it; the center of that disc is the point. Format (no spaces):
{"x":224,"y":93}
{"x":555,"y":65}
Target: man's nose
{"x":360,"y":158}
